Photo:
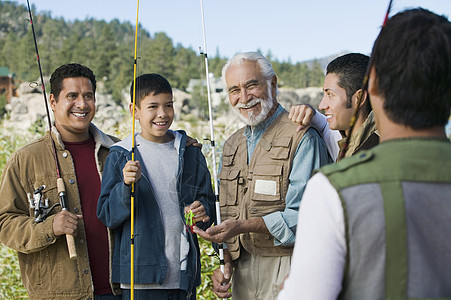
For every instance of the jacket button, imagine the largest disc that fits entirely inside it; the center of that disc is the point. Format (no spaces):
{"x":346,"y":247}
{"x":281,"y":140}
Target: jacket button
{"x":85,"y":271}
{"x":64,"y":154}
{"x":71,"y":181}
{"x":76,"y":210}
{"x":82,"y":241}
{"x":49,"y":239}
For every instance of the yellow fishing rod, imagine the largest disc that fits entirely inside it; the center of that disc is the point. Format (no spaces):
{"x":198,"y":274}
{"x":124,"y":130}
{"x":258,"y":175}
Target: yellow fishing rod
{"x":132,"y":198}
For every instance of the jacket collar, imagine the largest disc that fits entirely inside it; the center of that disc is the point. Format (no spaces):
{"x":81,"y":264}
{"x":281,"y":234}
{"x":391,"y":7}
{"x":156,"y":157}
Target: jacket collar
{"x":179,"y":140}
{"x":101,"y":139}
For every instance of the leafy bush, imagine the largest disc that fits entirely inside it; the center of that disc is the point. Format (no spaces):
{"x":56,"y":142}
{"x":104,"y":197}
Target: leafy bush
{"x":209,"y":263}
{"x":10,"y":284}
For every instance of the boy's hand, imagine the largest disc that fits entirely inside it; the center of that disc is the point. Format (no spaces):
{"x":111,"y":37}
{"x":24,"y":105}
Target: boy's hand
{"x":131,"y":172}
{"x":301,"y":114}
{"x":199,"y":212}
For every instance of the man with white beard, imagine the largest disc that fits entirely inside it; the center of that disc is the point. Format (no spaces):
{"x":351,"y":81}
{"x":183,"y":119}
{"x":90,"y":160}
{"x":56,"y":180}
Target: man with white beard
{"x":265,"y":167}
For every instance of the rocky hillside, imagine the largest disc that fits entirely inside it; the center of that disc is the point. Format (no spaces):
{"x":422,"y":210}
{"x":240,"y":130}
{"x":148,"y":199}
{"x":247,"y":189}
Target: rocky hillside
{"x":28,"y":108}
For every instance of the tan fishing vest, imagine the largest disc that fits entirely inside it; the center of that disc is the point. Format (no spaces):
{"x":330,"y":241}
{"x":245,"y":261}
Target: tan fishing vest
{"x":258,"y":188}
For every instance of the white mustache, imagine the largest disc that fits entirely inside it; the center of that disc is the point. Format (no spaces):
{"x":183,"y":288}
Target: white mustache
{"x":249,"y":104}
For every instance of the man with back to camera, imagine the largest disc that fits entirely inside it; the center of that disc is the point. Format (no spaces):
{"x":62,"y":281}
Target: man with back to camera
{"x":376,"y":225}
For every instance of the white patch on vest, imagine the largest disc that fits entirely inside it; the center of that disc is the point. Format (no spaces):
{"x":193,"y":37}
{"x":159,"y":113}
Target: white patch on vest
{"x":265,"y":187}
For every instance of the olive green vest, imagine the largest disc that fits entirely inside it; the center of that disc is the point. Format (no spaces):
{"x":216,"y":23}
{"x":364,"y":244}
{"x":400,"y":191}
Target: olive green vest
{"x":396,"y":200}
{"x":258,"y":188}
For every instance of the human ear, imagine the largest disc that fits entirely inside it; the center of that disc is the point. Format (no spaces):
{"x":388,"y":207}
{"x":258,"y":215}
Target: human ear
{"x":274,"y":86}
{"x":130,"y":107}
{"x":52,"y":101}
{"x":373,"y":87}
{"x":364,"y":97}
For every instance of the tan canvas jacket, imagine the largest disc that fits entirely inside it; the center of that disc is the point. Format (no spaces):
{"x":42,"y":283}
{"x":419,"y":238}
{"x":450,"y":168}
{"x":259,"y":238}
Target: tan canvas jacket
{"x":46,"y":270}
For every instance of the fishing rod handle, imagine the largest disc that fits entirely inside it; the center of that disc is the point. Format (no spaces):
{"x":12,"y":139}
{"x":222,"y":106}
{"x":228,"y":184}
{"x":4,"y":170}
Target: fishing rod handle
{"x":69,"y":238}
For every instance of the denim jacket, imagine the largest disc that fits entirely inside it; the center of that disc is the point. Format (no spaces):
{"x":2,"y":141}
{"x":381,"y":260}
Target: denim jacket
{"x":114,"y":210}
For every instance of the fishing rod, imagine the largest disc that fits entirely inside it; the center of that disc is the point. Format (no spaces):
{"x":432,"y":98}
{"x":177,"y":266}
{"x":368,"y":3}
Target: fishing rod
{"x":212,"y":139}
{"x":360,"y":97}
{"x":59,"y":181}
{"x":132,"y":197}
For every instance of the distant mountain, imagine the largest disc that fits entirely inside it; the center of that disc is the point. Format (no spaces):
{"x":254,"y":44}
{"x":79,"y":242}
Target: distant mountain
{"x":324,"y":61}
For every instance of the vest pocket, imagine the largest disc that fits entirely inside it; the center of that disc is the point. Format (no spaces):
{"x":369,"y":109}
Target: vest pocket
{"x":262,"y":240}
{"x":233,"y":245}
{"x":228,"y":156}
{"x":229,"y":186}
{"x":280,"y":148}
{"x":265,"y":183}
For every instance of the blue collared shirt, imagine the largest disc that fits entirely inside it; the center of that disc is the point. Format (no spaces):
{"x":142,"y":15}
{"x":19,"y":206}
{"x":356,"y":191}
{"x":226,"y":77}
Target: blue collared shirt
{"x":311,"y":154}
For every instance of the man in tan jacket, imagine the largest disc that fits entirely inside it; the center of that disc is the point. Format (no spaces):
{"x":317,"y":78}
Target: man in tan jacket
{"x":39,"y":239}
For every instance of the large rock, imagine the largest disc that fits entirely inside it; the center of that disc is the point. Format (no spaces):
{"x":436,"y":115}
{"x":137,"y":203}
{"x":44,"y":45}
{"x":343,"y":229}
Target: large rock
{"x":108,"y":113}
{"x":26,"y":110}
{"x":289,"y":97}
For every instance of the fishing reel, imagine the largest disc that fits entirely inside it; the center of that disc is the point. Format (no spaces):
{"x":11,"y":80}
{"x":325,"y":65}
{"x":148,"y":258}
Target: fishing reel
{"x":41,"y":207}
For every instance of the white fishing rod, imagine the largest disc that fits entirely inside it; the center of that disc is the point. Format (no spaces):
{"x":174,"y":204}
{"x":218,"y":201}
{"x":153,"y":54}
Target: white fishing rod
{"x":212,"y":139}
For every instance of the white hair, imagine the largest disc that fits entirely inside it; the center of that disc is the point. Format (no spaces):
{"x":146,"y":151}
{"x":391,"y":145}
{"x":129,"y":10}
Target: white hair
{"x":263,"y":62}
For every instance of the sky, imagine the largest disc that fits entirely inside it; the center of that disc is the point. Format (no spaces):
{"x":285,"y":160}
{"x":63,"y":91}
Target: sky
{"x":295,"y":30}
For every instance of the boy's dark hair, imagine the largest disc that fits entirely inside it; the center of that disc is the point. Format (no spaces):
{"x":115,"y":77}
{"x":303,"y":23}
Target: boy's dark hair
{"x":147,"y":84}
{"x":412,"y":59}
{"x":350,"y":69}
{"x":69,"y":71}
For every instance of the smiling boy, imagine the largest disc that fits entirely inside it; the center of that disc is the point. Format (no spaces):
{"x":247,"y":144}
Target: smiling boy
{"x":169,"y":179}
